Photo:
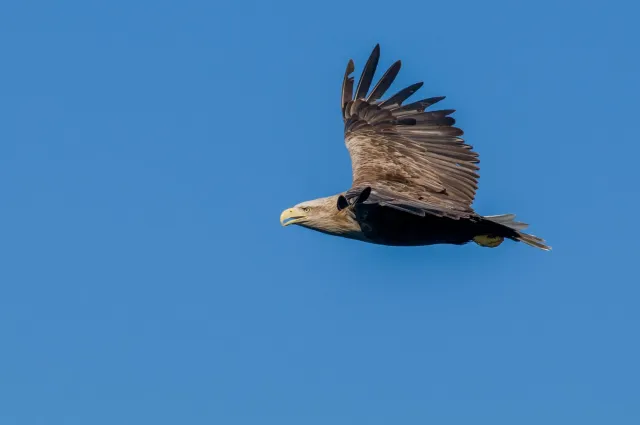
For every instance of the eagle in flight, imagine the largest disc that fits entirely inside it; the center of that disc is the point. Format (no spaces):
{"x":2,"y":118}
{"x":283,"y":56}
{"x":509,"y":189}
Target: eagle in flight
{"x":414,"y":177}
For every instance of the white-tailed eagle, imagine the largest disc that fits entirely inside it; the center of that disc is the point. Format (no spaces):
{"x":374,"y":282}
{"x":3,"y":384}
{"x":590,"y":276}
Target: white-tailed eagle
{"x":414,"y":177}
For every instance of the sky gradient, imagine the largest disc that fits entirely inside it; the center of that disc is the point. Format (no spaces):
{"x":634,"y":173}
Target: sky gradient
{"x":148,"y":148}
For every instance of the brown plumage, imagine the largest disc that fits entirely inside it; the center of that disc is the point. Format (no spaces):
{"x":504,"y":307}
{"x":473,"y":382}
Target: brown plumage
{"x":414,"y":177}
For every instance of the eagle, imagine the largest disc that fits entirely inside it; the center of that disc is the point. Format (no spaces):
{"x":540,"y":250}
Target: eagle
{"x":414,"y":178}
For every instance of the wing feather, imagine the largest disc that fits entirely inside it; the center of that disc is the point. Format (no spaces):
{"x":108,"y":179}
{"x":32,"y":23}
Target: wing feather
{"x":385,"y":82}
{"x":404,"y":94}
{"x":347,"y":84}
{"x":414,"y":160}
{"x":367,"y":73}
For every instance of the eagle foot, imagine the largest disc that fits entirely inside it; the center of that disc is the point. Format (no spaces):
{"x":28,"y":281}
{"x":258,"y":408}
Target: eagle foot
{"x":488,"y":240}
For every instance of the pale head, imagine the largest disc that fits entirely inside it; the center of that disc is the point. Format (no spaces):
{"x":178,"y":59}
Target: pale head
{"x":322,"y":215}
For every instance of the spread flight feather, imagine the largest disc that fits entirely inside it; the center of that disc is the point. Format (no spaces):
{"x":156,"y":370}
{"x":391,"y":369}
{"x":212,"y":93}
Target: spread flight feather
{"x":413,"y":159}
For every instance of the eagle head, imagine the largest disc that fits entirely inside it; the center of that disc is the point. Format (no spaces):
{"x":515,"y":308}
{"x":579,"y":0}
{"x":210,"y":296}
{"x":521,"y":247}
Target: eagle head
{"x":322,"y":215}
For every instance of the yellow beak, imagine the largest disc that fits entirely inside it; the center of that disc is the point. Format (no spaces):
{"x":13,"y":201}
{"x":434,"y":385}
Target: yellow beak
{"x":291,"y":216}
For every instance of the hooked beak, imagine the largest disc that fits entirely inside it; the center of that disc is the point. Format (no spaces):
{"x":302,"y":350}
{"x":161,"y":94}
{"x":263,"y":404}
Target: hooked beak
{"x":291,"y":216}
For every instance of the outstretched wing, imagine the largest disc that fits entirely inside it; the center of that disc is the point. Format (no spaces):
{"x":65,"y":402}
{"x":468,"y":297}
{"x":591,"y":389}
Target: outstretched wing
{"x":411,"y":158}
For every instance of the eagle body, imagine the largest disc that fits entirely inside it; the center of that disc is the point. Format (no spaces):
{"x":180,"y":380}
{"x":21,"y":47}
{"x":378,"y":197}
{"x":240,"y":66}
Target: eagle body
{"x":414,"y":177}
{"x":388,"y":226}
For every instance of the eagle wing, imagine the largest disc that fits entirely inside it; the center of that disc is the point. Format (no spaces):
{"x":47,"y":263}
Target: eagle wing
{"x":414,"y":160}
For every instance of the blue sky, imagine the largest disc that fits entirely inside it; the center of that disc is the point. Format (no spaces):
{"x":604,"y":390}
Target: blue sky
{"x":148,"y":148}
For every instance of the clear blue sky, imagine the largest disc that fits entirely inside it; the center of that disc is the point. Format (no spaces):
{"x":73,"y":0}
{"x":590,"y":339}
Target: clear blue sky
{"x":147,"y":149}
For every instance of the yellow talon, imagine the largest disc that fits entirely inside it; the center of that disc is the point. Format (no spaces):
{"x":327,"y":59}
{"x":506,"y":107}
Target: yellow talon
{"x":488,"y":241}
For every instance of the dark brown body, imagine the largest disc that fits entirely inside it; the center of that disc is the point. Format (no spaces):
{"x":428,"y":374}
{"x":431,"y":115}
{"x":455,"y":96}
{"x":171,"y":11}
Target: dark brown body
{"x":388,"y":226}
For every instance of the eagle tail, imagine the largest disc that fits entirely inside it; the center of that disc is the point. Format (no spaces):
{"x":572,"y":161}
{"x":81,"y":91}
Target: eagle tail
{"x":508,"y":220}
{"x":533,"y":241}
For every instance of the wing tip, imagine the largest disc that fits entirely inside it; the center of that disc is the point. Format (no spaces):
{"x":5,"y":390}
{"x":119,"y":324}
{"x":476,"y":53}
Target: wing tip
{"x":351,"y":66}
